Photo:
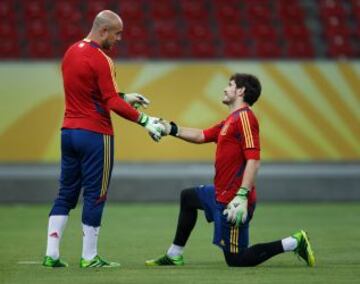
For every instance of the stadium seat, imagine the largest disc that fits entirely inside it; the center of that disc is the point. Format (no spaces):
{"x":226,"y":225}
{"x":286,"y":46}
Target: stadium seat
{"x":9,"y":49}
{"x":296,"y":32}
{"x":34,"y":9}
{"x":257,"y":12}
{"x":135,"y":33}
{"x":203,"y":49}
{"x":199,"y":32}
{"x":236,"y":49}
{"x":263,"y":32}
{"x":340,"y":47}
{"x":162,"y":10}
{"x":194,"y":11}
{"x":332,"y":31}
{"x":70,"y":33}
{"x":41,"y":49}
{"x":356,"y":13}
{"x":218,"y":3}
{"x":231,"y":32}
{"x":299,"y":49}
{"x":228,"y":14}
{"x":331,"y":8}
{"x":267,"y":49}
{"x":66,"y":12}
{"x":166,"y":30}
{"x":6,"y":8}
{"x":139,"y":49}
{"x":170,"y":50}
{"x":356,"y":33}
{"x":8,"y":31}
{"x":132,"y":12}
{"x":290,"y":14}
{"x":37,"y":30}
{"x":7,"y":12}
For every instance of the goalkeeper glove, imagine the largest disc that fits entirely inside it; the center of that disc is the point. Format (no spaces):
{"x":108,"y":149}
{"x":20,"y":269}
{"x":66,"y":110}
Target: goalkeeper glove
{"x":153,"y":125}
{"x":236,"y":210}
{"x":135,"y":99}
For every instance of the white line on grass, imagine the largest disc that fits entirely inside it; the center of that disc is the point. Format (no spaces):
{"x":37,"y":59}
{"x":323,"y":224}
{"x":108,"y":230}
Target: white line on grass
{"x":25,"y":262}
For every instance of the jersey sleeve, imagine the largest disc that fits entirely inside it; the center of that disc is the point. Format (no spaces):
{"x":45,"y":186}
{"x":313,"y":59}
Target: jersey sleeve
{"x":105,"y":72}
{"x":249,"y":128}
{"x":211,"y":134}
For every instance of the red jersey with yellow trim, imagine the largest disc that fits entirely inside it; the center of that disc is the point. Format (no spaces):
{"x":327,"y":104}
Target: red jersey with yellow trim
{"x":237,"y":139}
{"x":91,"y":90}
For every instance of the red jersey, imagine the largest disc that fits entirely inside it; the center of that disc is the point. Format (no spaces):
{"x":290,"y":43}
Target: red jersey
{"x":91,"y":90}
{"x":237,"y":139}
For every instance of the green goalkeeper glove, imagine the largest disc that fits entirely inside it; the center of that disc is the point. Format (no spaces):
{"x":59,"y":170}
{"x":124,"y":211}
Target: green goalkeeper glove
{"x":236,"y":210}
{"x":153,"y":125}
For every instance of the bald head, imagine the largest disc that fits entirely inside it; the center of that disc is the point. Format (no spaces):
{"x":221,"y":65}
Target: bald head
{"x":107,"y":19}
{"x":106,"y":30}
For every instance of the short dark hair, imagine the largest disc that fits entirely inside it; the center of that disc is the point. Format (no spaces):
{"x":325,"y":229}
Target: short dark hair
{"x":252,"y":86}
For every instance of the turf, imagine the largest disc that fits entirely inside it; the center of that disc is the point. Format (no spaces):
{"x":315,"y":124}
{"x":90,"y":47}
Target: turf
{"x":132,"y":233}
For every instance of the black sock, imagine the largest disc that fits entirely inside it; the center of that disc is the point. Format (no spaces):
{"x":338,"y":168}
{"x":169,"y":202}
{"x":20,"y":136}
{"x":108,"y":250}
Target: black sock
{"x":254,"y":255}
{"x":189,"y":203}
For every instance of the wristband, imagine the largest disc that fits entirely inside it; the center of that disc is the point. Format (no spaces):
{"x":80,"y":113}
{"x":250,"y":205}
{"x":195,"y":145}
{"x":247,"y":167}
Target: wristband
{"x":143,"y":119}
{"x":243,"y":192}
{"x":174,"y":129}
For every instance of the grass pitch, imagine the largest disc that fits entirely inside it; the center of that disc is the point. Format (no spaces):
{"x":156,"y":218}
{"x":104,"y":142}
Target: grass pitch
{"x":132,"y":233}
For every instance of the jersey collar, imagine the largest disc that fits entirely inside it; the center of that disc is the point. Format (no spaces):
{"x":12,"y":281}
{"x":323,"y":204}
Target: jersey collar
{"x":242,"y":108}
{"x":92,"y":43}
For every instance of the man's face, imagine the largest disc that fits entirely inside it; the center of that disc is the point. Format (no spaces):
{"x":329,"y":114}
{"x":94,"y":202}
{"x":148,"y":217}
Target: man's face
{"x":111,"y":36}
{"x":230,"y":93}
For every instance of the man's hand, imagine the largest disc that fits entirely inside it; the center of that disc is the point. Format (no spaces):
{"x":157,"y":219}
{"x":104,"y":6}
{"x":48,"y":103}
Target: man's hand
{"x":136,"y":100}
{"x":167,"y":127}
{"x":170,"y":127}
{"x":236,"y":210}
{"x":153,"y":125}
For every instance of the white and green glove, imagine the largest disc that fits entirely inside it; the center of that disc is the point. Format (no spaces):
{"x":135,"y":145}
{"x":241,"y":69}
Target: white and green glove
{"x":153,"y":125}
{"x":136,"y":100}
{"x":236,"y":210}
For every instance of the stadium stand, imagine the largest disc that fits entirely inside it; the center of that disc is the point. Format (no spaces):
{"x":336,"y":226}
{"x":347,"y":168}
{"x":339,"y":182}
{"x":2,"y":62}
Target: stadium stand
{"x":188,"y":29}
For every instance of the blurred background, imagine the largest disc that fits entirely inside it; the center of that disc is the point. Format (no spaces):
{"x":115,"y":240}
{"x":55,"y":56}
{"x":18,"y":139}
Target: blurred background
{"x":180,"y":54}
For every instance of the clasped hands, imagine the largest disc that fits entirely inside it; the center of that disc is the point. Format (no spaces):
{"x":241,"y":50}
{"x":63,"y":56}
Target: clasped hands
{"x":166,"y":129}
{"x":156,"y":127}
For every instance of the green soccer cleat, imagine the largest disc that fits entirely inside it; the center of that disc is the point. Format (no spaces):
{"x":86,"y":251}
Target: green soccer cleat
{"x":97,"y":261}
{"x":166,"y":260}
{"x":303,"y":248}
{"x":56,"y":263}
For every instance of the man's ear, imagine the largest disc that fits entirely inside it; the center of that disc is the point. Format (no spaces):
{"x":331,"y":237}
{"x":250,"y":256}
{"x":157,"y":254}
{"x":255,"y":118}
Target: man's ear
{"x":103,"y":32}
{"x":241,"y":91}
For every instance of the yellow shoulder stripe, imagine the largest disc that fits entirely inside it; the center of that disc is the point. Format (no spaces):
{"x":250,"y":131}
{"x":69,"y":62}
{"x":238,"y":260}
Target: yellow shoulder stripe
{"x":112,"y":69}
{"x":249,"y":141}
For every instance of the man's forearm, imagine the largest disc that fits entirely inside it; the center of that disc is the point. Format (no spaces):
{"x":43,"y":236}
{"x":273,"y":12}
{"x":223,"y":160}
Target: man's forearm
{"x":250,"y":173}
{"x":192,"y":135}
{"x":123,"y":109}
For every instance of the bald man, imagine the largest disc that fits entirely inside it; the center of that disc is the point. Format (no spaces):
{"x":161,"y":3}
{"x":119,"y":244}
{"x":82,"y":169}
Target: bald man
{"x":87,"y":141}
